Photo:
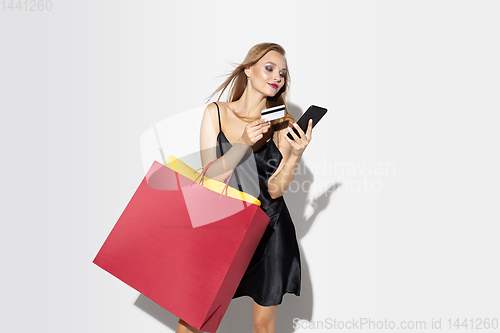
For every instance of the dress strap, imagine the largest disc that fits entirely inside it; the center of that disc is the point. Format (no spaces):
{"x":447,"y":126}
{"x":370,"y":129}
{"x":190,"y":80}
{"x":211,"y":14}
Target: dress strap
{"x":218,"y":112}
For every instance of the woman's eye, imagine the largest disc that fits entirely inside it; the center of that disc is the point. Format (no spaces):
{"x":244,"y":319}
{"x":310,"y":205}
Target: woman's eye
{"x":269,"y":68}
{"x":282,"y":75}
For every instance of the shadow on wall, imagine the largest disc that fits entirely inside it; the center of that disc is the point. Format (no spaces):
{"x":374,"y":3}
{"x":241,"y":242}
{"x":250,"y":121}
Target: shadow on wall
{"x":238,"y":317}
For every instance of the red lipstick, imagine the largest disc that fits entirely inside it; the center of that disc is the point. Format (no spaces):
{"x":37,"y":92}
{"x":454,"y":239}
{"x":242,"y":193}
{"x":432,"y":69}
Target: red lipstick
{"x":273,"y":85}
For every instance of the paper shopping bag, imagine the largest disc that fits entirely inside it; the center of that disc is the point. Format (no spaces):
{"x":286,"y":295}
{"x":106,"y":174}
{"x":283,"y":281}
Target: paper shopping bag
{"x":193,"y":196}
{"x":191,"y":272}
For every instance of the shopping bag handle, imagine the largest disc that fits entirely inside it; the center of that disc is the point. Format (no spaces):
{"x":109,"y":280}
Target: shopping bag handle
{"x":227,"y":184}
{"x":202,"y":174}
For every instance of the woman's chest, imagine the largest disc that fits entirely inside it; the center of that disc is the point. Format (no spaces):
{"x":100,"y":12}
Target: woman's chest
{"x":233,"y":134}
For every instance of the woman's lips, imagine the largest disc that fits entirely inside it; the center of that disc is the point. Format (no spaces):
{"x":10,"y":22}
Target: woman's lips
{"x":273,"y":85}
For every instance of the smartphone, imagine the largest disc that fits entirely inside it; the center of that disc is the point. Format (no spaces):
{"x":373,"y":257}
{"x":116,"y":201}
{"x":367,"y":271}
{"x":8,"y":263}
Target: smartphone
{"x":315,"y":113}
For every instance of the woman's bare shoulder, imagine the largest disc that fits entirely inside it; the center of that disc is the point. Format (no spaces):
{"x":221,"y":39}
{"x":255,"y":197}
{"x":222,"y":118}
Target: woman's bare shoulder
{"x":222,"y":106}
{"x":212,"y":108}
{"x":211,"y":113}
{"x":214,"y":111}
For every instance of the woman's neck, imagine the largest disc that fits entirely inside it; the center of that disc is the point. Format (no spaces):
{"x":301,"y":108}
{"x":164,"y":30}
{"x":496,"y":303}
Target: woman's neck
{"x":250,"y":104}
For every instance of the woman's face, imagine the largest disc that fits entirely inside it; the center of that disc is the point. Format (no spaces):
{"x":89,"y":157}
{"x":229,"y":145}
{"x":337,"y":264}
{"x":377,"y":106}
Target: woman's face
{"x":268,"y":74}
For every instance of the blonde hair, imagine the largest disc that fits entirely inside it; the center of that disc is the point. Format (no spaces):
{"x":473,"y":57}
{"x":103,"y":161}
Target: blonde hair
{"x":236,"y":82}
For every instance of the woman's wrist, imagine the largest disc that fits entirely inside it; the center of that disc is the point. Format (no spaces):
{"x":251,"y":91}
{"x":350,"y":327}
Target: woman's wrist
{"x":241,"y":142}
{"x":295,"y":156}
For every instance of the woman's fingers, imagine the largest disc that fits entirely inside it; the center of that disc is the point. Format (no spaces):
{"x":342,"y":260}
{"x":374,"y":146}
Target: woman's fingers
{"x":301,"y":132}
{"x":304,"y":136}
{"x":291,"y":142}
{"x":309,"y":129}
{"x":261,"y":127}
{"x":258,"y":122}
{"x":299,"y":143}
{"x":253,"y":130}
{"x":293,"y":134}
{"x":256,"y":135}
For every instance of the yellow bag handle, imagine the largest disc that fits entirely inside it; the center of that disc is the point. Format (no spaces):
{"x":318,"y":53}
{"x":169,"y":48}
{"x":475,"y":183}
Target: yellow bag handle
{"x":180,"y":167}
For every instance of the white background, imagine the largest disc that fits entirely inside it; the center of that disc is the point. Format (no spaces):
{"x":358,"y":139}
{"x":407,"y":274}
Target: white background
{"x":411,"y":86}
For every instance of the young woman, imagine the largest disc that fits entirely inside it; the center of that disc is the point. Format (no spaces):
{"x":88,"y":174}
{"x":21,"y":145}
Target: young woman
{"x":230,"y":131}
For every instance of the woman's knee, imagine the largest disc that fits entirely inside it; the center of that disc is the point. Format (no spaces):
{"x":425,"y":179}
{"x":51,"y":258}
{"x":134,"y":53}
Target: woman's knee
{"x":264,"y":326}
{"x":264,"y":318}
{"x":183,"y":327}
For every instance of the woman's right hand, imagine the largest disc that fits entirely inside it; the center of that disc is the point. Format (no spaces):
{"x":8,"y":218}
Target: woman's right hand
{"x":254,"y":131}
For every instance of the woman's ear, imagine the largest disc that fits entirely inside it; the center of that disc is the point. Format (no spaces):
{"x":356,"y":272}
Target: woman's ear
{"x":248,"y":70}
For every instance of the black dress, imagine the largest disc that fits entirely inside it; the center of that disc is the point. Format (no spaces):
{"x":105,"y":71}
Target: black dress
{"x":274,"y":269}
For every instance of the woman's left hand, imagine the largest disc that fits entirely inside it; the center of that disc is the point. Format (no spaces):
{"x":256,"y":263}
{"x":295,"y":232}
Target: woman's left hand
{"x":301,"y":143}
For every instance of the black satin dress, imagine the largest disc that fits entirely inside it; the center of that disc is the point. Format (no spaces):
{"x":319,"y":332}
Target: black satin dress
{"x":274,"y":269}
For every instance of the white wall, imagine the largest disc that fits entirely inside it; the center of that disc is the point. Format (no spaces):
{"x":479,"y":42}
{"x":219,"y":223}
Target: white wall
{"x":411,"y":135}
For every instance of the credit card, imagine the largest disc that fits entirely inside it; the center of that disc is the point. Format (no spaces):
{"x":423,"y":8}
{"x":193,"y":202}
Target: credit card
{"x":273,"y":113}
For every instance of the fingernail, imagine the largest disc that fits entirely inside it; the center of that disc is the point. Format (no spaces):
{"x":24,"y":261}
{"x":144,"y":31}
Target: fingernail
{"x":295,"y":124}
{"x":289,"y":129}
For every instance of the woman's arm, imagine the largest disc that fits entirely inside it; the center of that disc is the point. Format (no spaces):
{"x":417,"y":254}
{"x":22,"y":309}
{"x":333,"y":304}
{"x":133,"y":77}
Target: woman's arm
{"x":225,"y":165}
{"x":291,"y":150}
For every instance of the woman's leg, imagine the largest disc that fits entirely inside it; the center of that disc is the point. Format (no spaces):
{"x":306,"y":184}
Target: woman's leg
{"x":264,"y":318}
{"x":183,"y":327}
